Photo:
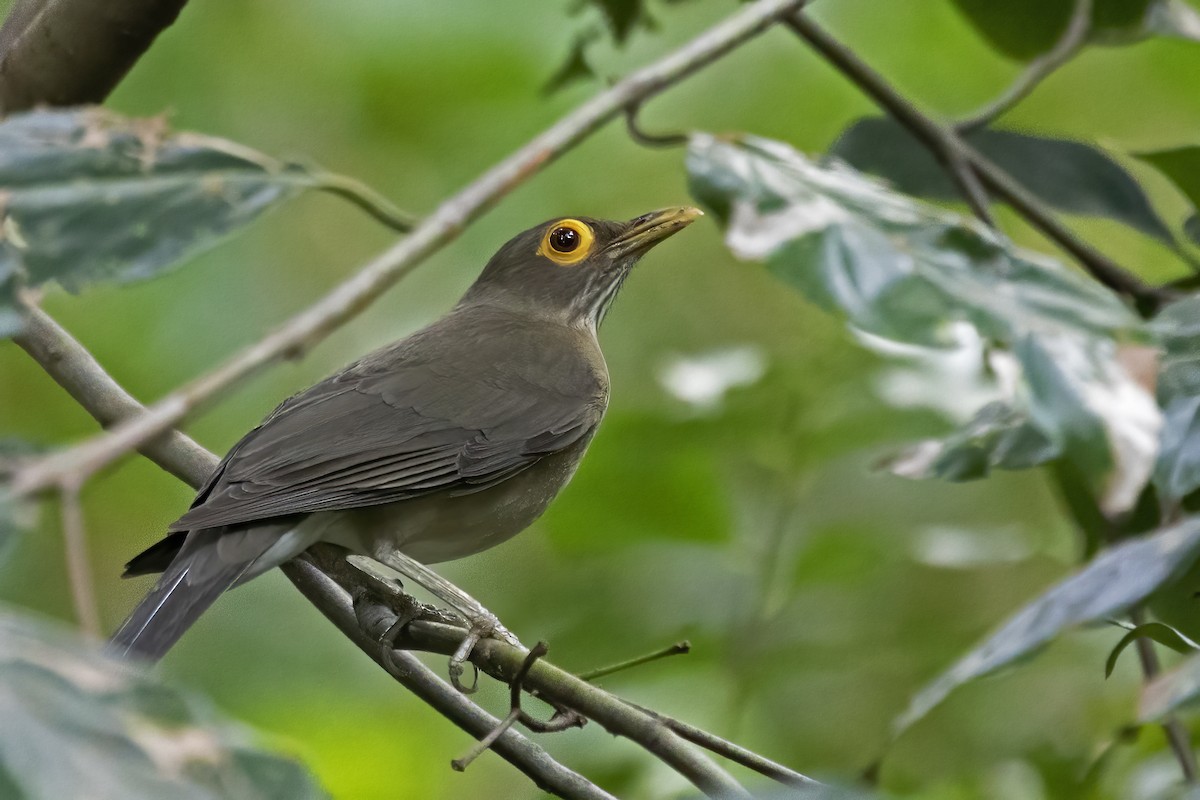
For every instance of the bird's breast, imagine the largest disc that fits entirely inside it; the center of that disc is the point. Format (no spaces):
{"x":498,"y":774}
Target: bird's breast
{"x":443,"y":527}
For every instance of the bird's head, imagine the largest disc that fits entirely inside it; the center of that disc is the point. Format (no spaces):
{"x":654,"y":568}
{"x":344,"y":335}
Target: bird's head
{"x":570,"y":268}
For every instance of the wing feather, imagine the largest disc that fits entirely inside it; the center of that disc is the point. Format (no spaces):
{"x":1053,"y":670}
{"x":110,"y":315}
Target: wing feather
{"x":419,"y":417}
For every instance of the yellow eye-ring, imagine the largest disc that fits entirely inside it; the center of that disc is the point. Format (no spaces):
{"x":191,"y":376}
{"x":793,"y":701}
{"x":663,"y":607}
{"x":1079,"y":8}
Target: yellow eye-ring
{"x":567,"y":242}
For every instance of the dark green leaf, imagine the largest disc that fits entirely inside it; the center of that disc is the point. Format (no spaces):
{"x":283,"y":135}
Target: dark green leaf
{"x":622,"y":16}
{"x":1170,"y":690}
{"x":80,"y":723}
{"x":574,"y":68}
{"x":906,"y":270}
{"x":1020,"y":29}
{"x":1070,"y":176}
{"x":89,"y":196}
{"x":1025,"y":29}
{"x":1181,"y":165}
{"x":1191,"y":227}
{"x":1114,"y":581}
{"x":1159,"y":632}
{"x":998,"y":437}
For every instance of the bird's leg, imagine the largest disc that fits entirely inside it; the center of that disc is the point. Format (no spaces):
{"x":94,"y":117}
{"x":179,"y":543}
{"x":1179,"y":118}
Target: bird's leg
{"x":384,"y":594}
{"x":482,"y":623}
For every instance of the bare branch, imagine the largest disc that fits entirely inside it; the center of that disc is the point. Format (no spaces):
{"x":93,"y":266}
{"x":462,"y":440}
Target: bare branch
{"x":437,"y":230}
{"x":950,"y":148}
{"x":679,"y":648}
{"x":503,"y":661}
{"x":1073,"y":38}
{"x":70,"y":52}
{"x":735,"y":753}
{"x":514,"y":710}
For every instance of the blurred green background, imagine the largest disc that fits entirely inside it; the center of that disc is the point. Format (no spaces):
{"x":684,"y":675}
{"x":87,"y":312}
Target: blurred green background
{"x":818,"y":593}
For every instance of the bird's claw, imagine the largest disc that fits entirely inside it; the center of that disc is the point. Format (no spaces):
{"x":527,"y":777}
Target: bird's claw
{"x":481,"y":627}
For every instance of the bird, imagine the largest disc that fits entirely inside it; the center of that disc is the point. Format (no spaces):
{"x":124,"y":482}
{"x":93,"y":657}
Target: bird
{"x":437,"y":446}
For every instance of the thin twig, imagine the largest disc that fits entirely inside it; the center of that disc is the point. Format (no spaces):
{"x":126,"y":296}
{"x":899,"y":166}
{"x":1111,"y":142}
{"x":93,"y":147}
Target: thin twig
{"x":643,"y":137}
{"x":679,"y":648}
{"x":438,"y":229}
{"x":79,"y":566}
{"x":962,"y":172}
{"x":734,"y":752}
{"x":366,"y":198}
{"x":948,"y":146}
{"x":514,"y":711}
{"x":1177,"y":735}
{"x":1072,"y":39}
{"x":480,"y":747}
{"x":502,"y":660}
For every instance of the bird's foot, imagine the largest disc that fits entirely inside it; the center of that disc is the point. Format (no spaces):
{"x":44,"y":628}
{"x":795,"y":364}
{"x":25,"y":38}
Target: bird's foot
{"x":481,"y":626}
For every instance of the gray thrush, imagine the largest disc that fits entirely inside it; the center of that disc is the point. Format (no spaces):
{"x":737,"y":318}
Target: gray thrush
{"x":438,"y":446}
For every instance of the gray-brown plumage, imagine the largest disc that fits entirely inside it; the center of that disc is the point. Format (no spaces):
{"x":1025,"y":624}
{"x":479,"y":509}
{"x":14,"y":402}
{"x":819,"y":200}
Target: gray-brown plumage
{"x":438,"y":446}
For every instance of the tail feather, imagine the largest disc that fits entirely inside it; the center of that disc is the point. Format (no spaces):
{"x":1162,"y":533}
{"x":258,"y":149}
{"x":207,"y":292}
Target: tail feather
{"x":195,"y":578}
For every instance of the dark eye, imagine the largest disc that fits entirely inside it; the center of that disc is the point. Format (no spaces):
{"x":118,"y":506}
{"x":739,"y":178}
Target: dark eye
{"x":564,"y":239}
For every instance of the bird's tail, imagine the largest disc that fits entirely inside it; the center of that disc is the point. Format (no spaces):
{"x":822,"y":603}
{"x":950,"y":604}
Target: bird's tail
{"x":195,"y":578}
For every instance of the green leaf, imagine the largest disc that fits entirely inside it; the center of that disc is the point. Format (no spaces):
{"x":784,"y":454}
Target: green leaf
{"x":623,"y":16}
{"x":1181,"y":165}
{"x":1024,"y":29}
{"x":1070,"y":176}
{"x":1020,"y":29}
{"x":1191,"y":227}
{"x":574,"y":68}
{"x":90,"y":196}
{"x":1177,"y":471}
{"x":1159,"y":632}
{"x":1170,"y":690}
{"x":907,"y":271}
{"x":998,"y":437}
{"x":80,"y":723}
{"x":1177,"y":328}
{"x":1116,"y":580}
